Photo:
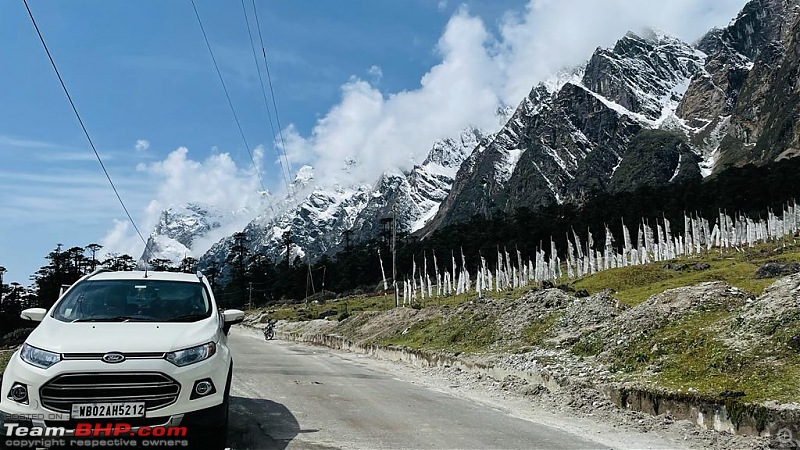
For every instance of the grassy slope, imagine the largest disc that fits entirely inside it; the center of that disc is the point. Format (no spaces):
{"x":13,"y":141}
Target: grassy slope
{"x":687,"y":353}
{"x":633,"y":285}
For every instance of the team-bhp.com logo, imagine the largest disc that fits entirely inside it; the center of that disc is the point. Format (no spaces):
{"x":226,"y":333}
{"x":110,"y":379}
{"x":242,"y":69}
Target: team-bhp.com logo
{"x":114,"y":435}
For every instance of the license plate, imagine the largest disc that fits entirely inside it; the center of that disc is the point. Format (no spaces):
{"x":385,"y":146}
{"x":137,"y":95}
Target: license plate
{"x":107,"y":410}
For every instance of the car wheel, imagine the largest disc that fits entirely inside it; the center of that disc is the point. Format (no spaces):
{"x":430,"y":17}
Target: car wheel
{"x":217,"y":437}
{"x":213,"y":437}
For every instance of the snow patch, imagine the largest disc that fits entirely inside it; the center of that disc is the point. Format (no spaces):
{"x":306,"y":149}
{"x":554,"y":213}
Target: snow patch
{"x":677,"y":168}
{"x":504,"y":168}
{"x":550,"y":185}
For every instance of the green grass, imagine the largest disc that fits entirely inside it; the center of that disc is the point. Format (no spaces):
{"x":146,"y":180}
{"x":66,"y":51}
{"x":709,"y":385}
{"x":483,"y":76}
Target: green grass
{"x":633,"y":285}
{"x":538,"y":331}
{"x":458,"y":334}
{"x":303,"y":311}
{"x":690,"y":355}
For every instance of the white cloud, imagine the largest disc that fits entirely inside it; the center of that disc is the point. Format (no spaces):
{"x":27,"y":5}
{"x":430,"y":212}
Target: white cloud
{"x":121,"y":239}
{"x":142,"y":145}
{"x":442,"y":5}
{"x":550,"y":35}
{"x":380,"y":131}
{"x":376,"y":73}
{"x":9,"y":141}
{"x":216,"y":182}
{"x":478,"y":72}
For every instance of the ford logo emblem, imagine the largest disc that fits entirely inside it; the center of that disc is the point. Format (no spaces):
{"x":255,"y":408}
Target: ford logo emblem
{"x":113,"y":358}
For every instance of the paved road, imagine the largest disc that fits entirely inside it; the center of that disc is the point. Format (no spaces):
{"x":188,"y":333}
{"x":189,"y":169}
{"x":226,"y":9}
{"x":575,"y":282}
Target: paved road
{"x":291,"y":396}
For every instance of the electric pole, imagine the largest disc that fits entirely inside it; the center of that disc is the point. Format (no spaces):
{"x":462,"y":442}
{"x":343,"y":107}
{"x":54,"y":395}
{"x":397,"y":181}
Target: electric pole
{"x":2,"y":271}
{"x":394,"y":255}
{"x":287,"y":241}
{"x":250,"y":296}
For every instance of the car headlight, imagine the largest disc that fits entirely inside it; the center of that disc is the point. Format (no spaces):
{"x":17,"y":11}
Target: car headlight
{"x":192,"y":355}
{"x":38,"y":357}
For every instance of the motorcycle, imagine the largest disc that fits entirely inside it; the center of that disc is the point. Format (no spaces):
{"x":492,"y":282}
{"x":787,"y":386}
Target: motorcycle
{"x":269,"y":331}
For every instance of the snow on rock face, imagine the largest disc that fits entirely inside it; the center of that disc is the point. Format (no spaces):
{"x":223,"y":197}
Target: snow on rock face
{"x":184,"y":223}
{"x":179,"y":226}
{"x":646,"y":75}
{"x":304,"y":177}
{"x":417,"y":194}
{"x":323,"y":215}
{"x":569,"y":134}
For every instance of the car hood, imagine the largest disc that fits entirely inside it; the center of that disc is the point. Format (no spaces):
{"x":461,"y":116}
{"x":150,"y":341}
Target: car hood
{"x":103,"y":337}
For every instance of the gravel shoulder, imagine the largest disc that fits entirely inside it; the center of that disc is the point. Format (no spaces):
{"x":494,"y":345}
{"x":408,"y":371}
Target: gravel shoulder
{"x":581,"y":412}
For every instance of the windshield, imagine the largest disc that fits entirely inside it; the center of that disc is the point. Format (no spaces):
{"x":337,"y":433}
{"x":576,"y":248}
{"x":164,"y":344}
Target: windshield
{"x":134,"y":300}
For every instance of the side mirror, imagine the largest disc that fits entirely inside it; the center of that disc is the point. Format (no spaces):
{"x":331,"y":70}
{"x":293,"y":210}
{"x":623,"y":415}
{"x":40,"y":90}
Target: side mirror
{"x":231,"y":317}
{"x":33,"y":314}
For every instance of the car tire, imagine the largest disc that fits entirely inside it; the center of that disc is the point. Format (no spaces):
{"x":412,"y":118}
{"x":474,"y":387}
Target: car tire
{"x":216,"y":438}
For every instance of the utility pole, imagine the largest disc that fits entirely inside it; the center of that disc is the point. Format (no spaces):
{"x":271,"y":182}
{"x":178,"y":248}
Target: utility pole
{"x":2,"y":271}
{"x":287,"y":241}
{"x":394,"y":255}
{"x":250,"y":296}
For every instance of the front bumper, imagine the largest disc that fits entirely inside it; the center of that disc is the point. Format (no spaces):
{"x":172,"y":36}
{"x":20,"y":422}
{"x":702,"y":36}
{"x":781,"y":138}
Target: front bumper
{"x":36,"y":414}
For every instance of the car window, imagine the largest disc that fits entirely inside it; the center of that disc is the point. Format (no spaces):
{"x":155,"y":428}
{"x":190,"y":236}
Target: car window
{"x":134,"y":300}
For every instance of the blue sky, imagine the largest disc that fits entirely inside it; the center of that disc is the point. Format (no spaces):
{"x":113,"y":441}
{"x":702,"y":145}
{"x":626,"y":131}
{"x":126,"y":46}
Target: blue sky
{"x":140,"y":72}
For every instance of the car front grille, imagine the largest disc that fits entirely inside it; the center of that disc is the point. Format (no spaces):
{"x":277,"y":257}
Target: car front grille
{"x":155,"y":389}
{"x":99,"y":356}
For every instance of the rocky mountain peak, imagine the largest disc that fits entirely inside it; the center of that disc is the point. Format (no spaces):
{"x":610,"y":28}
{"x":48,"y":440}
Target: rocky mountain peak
{"x":185,"y":222}
{"x":643,"y":74}
{"x":305,"y":175}
{"x":451,"y":152}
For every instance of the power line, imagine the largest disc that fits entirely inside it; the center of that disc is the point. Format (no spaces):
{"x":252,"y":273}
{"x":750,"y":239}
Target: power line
{"x":277,"y":115}
{"x":284,"y":170}
{"x":272,"y":92}
{"x":83,"y":127}
{"x":228,"y":96}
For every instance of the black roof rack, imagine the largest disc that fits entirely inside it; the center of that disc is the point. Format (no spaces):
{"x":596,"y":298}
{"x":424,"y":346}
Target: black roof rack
{"x":99,"y":271}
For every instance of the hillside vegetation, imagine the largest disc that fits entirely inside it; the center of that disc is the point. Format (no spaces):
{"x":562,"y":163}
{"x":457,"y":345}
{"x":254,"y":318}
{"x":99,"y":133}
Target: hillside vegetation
{"x":706,"y":325}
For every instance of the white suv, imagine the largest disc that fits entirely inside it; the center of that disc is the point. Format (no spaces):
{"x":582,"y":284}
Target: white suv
{"x":141,"y":348}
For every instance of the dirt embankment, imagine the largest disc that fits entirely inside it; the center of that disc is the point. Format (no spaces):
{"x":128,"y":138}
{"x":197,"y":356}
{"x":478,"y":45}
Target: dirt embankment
{"x":709,"y":343}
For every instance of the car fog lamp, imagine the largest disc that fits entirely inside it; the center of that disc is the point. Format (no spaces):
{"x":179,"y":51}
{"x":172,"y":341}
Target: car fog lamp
{"x":19,"y":393}
{"x":203,"y":388}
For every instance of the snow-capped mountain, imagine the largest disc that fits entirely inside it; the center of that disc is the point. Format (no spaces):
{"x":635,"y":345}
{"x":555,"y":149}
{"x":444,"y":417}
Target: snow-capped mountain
{"x":650,"y":111}
{"x":178,"y":227}
{"x":315,"y":225}
{"x":417,"y":194}
{"x":568,"y":137}
{"x":323,"y":218}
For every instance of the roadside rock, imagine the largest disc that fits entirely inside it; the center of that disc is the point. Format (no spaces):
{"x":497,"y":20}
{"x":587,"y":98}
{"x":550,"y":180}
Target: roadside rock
{"x":775,"y":311}
{"x":583,"y":316}
{"x":774,"y":269}
{"x":533,"y":306}
{"x":661,"y":309}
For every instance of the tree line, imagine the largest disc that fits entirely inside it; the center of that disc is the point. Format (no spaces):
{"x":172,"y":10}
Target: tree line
{"x":244,"y":278}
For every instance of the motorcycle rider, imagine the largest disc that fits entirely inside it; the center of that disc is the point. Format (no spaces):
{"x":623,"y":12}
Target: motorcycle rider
{"x":269,"y":331}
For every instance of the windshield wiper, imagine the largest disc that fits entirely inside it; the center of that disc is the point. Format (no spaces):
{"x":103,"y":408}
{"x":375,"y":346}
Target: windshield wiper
{"x":112,"y":319}
{"x":188,"y":318}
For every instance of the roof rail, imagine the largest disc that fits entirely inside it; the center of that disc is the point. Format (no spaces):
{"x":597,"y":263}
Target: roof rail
{"x":99,"y":271}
